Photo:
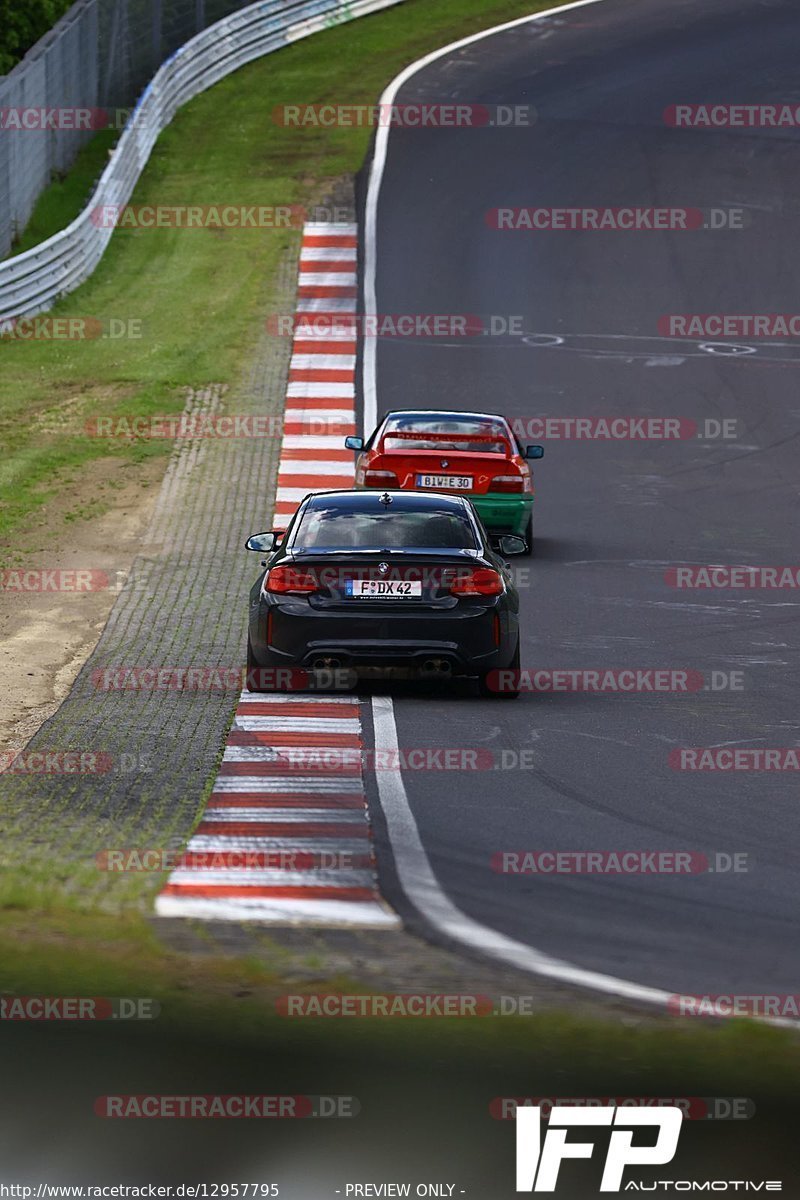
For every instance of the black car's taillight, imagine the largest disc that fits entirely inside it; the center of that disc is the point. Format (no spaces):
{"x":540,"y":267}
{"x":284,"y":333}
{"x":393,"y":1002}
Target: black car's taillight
{"x":481,"y":581}
{"x":289,"y":581}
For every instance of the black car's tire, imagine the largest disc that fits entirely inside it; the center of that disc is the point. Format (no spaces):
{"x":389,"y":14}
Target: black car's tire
{"x":528,"y":535}
{"x":506,"y":694}
{"x":254,"y":682}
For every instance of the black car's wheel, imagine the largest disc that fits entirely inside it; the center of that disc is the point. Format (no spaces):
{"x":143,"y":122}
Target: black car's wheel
{"x":506,"y":693}
{"x":256,"y":676}
{"x":528,"y":535}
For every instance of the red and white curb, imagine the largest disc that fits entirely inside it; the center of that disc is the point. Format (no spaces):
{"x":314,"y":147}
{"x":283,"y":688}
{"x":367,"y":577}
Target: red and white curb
{"x":291,"y":787}
{"x":320,"y":402}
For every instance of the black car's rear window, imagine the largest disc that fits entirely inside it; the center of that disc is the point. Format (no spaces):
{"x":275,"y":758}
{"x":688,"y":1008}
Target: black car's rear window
{"x":333,"y":528}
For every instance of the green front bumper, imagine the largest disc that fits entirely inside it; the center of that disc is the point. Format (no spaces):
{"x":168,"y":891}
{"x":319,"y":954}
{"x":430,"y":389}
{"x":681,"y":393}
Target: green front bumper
{"x":504,"y":514}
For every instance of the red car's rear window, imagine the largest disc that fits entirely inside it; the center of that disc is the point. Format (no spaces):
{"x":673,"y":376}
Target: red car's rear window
{"x":477,"y":437}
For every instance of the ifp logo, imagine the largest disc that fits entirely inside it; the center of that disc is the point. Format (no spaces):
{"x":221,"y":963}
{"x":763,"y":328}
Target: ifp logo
{"x":538,"y":1162}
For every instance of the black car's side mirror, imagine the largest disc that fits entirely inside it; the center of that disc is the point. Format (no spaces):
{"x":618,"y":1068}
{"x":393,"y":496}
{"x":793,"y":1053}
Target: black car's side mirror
{"x":263,"y":543}
{"x":511,"y":544}
{"x":354,"y":443}
{"x":534,"y":451}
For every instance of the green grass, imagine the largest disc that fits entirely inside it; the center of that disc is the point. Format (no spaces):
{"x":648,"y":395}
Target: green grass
{"x":66,"y":196}
{"x":201,"y":295}
{"x":201,"y":995}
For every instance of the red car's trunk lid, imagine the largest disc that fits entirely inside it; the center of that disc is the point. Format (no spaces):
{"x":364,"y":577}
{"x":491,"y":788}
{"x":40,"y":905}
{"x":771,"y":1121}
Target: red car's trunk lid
{"x":444,"y":470}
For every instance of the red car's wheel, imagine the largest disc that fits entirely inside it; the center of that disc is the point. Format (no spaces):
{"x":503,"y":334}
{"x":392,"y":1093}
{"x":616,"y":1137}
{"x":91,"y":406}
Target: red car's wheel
{"x":528,"y":535}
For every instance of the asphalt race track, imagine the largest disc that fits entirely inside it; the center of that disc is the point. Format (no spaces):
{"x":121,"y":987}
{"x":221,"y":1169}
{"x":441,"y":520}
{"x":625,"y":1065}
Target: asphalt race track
{"x":612,"y":516}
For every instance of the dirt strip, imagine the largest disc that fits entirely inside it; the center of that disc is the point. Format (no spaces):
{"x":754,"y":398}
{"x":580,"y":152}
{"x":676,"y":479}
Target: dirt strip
{"x":184,"y":608}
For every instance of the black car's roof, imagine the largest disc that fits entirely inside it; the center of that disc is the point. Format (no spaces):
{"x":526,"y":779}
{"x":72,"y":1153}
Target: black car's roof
{"x":370,"y":501}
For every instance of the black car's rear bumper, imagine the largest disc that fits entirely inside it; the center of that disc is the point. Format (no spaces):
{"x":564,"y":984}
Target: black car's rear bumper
{"x":469,"y":639}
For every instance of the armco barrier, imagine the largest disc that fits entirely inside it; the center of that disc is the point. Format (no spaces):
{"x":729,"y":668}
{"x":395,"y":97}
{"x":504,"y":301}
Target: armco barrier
{"x":33,"y":281}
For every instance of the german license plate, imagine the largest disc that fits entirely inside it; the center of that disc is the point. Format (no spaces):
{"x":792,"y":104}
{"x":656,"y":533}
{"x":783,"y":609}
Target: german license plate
{"x":384,"y":589}
{"x":461,"y":483}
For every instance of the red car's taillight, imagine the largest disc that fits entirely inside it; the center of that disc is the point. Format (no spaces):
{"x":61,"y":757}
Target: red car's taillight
{"x":507,"y":483}
{"x":481,"y":582}
{"x":380,"y":479}
{"x":287,"y":580}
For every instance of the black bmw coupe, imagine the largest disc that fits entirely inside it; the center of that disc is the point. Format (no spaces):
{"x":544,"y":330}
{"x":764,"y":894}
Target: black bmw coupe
{"x":395,"y":581}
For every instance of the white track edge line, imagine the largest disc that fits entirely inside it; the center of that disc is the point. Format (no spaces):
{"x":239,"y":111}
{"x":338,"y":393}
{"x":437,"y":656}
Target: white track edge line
{"x":422,"y":888}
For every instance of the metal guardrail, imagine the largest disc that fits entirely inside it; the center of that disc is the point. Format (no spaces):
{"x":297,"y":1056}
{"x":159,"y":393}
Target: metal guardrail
{"x":31,"y":282}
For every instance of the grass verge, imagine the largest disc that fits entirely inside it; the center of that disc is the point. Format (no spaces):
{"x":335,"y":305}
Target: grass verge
{"x":201,"y":995}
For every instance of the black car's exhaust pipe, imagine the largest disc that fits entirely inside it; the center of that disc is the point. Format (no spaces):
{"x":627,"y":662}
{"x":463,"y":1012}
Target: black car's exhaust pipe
{"x":326,"y":664}
{"x":437,"y":666}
